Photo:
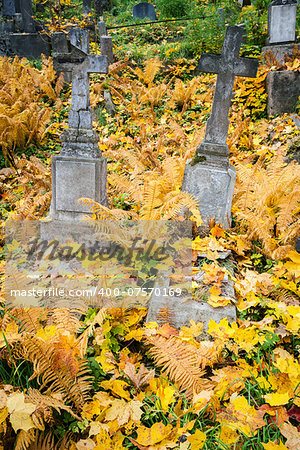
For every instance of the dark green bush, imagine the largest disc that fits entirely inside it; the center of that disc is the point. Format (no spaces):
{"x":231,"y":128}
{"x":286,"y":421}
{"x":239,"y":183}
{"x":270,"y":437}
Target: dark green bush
{"x":174,"y":8}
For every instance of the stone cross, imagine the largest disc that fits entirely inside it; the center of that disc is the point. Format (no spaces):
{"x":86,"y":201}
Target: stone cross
{"x":80,"y":170}
{"x":81,"y":64}
{"x":209,"y":176}
{"x":228,"y":65}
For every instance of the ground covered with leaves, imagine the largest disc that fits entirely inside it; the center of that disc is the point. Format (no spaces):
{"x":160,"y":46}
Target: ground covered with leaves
{"x":106,"y":379}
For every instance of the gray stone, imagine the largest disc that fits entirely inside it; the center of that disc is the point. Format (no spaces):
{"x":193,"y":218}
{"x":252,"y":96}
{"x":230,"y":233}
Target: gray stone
{"x":296,"y":120}
{"x":80,"y":63}
{"x":280,"y":51}
{"x":79,"y":39}
{"x":221,"y":17}
{"x":7,"y":27}
{"x":227,"y":66}
{"x":79,"y":170}
{"x":183,"y":309}
{"x":87,"y":7}
{"x":143,"y":10}
{"x":74,"y":178}
{"x":209,"y":176}
{"x":28,"y":45}
{"x":102,"y":28}
{"x":107,"y":48}
{"x":281,"y":23}
{"x":213,"y":188}
{"x":283,"y":90}
{"x":9,"y":8}
{"x":26,"y":11}
{"x":109,"y":104}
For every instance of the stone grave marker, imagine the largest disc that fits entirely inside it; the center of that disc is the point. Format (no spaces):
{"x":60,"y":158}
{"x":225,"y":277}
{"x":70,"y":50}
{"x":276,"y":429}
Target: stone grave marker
{"x":26,"y":12}
{"x":282,"y":22}
{"x":87,"y":7}
{"x":79,"y":170}
{"x":209,"y":177}
{"x":18,"y":34}
{"x":283,"y":87}
{"x":102,"y":28}
{"x":9,"y":9}
{"x":183,"y":309}
{"x":106,"y":47}
{"x":143,"y":10}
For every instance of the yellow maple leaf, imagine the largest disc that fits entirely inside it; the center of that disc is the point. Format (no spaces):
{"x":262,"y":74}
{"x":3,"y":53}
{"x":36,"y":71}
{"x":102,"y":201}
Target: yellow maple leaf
{"x":163,"y":391}
{"x":104,"y":362}
{"x":188,"y":333}
{"x":116,"y":387}
{"x":197,"y":440}
{"x":151,"y":436}
{"x":228,"y":434}
{"x":272,"y":446}
{"x":3,"y":414}
{"x":20,"y":412}
{"x":124,"y":412}
{"x":242,"y":416}
{"x":47,"y":332}
{"x":276,"y":399}
{"x":293,"y":265}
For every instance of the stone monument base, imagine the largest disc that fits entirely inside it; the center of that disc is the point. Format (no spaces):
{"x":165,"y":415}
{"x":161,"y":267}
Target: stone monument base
{"x":182,"y":310}
{"x":283,"y":88}
{"x":27,"y":45}
{"x":74,"y":178}
{"x":280,"y":50}
{"x":213,"y":188}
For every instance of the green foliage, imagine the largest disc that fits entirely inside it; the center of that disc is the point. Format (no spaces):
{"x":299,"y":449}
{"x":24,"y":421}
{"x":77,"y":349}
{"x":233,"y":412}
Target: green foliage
{"x":174,"y":8}
{"x":255,"y":21}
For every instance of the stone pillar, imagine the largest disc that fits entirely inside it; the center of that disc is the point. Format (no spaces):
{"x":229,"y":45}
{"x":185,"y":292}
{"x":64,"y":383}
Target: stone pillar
{"x":102,"y":28}
{"x":26,"y":11}
{"x":107,"y":48}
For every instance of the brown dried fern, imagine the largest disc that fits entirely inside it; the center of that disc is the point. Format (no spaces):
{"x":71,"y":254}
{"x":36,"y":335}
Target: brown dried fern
{"x":181,"y":362}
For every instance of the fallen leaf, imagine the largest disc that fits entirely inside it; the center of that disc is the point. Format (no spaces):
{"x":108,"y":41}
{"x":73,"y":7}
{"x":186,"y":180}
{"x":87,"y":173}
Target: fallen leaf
{"x":140,"y":378}
{"x":20,"y":412}
{"x":292,"y":435}
{"x":197,"y":440}
{"x":151,"y":436}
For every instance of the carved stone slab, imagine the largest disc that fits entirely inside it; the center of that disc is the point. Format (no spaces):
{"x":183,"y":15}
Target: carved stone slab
{"x":213,"y":188}
{"x":74,"y":178}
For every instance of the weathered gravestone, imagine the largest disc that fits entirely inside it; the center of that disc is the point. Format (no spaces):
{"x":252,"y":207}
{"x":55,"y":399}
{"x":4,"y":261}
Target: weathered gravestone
{"x":26,"y":12}
{"x":9,"y":9}
{"x":283,"y":87}
{"x":143,"y":10}
{"x":18,"y":34}
{"x":87,"y":7}
{"x":106,"y":47}
{"x":80,"y":170}
{"x":282,"y":21}
{"x":209,"y":177}
{"x":102,"y":28}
